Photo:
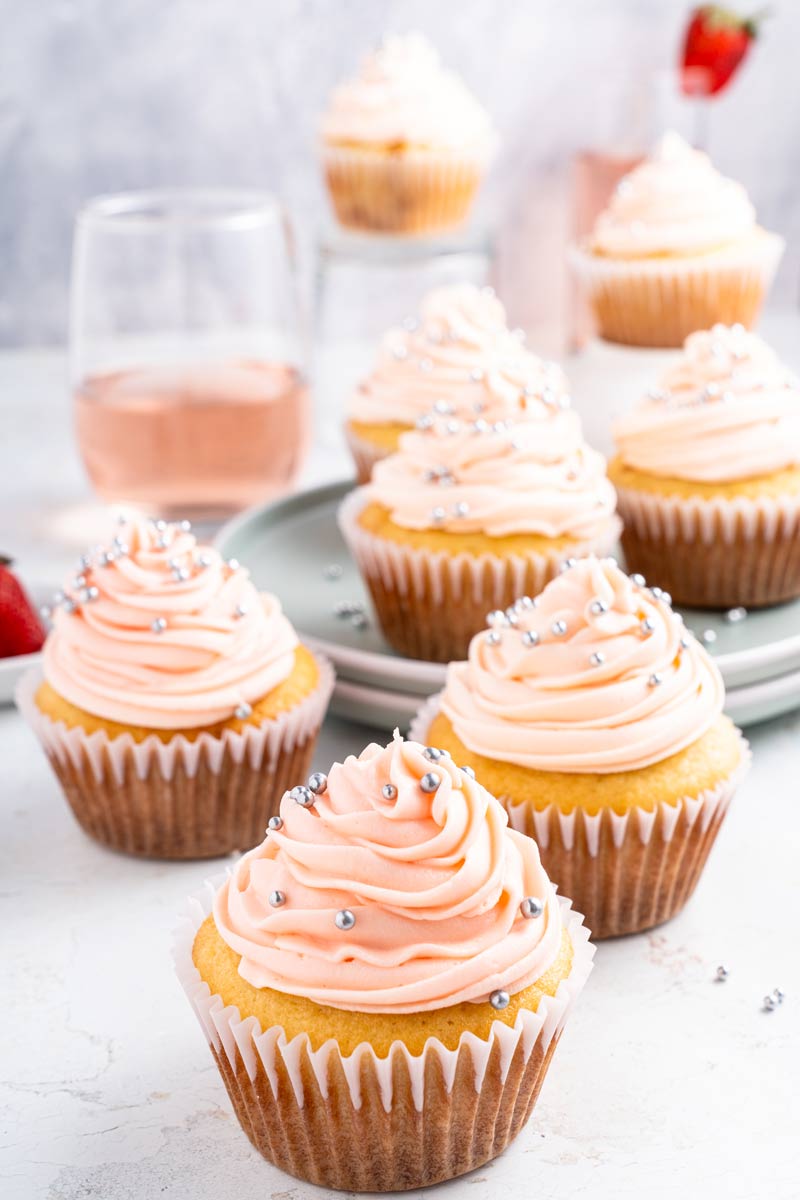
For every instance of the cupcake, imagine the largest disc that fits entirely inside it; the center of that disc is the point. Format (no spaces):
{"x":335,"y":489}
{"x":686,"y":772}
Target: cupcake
{"x":467,"y":516}
{"x":596,"y":719}
{"x":383,"y":981}
{"x":708,"y":475}
{"x":677,"y":250}
{"x":404,"y":144}
{"x":459,"y":359}
{"x":174,"y":701}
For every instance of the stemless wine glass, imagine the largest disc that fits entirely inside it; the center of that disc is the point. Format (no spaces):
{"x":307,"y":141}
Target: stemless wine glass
{"x":187,"y":354}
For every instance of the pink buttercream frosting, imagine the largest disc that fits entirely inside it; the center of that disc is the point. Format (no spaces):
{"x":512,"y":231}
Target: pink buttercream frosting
{"x":163,"y":633}
{"x":728,"y":410}
{"x":435,"y":881}
{"x":675,"y":202}
{"x":620,"y":684}
{"x":537,"y":476}
{"x":460,"y":358}
{"x":403,"y":94}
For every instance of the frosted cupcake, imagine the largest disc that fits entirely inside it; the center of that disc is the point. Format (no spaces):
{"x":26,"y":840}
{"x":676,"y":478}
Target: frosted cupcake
{"x":176,"y":702}
{"x":458,"y":359}
{"x":677,"y":250}
{"x":596,"y":719}
{"x":404,"y":144}
{"x":708,"y":475}
{"x":384,"y":980}
{"x":467,"y":516}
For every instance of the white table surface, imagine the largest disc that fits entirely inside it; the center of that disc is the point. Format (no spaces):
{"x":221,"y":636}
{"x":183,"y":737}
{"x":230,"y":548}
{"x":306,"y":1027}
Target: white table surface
{"x":665,"y":1084}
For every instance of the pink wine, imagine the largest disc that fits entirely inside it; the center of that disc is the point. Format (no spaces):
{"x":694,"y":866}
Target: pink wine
{"x":201,"y":440}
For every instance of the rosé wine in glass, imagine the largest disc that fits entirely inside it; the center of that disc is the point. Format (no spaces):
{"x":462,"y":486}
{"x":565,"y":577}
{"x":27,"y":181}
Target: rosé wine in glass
{"x":187,"y":356}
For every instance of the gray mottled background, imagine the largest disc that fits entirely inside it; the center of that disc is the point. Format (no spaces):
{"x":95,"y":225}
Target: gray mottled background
{"x":97,"y":96}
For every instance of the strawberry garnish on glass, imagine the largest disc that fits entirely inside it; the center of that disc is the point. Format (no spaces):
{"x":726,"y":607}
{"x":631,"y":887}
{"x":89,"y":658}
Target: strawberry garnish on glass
{"x":21,"y":631}
{"x":717,"y":41}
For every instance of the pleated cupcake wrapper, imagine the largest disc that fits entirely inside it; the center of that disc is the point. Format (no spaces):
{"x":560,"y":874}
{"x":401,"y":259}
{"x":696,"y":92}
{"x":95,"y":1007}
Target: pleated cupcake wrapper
{"x":626,"y":872}
{"x":181,"y":798}
{"x":365,"y":454}
{"x":431,"y":604}
{"x":659,"y":302}
{"x":412,"y":192}
{"x":371,"y":1123}
{"x":717,"y":552}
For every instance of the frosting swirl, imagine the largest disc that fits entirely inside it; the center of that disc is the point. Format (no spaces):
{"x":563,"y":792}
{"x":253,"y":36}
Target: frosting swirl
{"x":434,"y":880}
{"x":459,"y":358}
{"x":161,"y":633}
{"x":675,"y":202}
{"x":403,"y":95}
{"x":534,"y":477}
{"x":620,"y":685}
{"x":728,"y":410}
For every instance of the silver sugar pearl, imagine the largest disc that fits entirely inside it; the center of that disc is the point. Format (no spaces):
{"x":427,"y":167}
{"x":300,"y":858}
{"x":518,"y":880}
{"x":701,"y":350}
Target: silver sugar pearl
{"x":598,"y":607}
{"x":722,"y":973}
{"x":318,"y":783}
{"x":359,"y":620}
{"x":232,"y":564}
{"x":778,"y":995}
{"x":647,"y":627}
{"x":734,"y":615}
{"x":558,"y":628}
{"x":345,"y":919}
{"x":430,"y":782}
{"x":524,"y":603}
{"x":432,"y":754}
{"x":438,"y":515}
{"x":240,"y":611}
{"x":461,"y":509}
{"x":277,"y":898}
{"x":476,"y":375}
{"x":79,"y":581}
{"x":90,"y":594}
{"x":159,"y":625}
{"x":275,"y":822}
{"x":332,"y":571}
{"x":185,"y":526}
{"x":443,"y":408}
{"x":708,"y":637}
{"x":532,"y":907}
{"x":655,"y":680}
{"x":567,"y":564}
{"x":769,"y":1003}
{"x":493,"y":637}
{"x":685,"y":642}
{"x":302,"y":795}
{"x":424,"y":423}
{"x":530,"y":638}
{"x":389,"y":791}
{"x":69,"y":605}
{"x":496,"y":619}
{"x":597,"y":658}
{"x":499,"y":999}
{"x":45,"y":612}
{"x":243,"y":711}
{"x":638,"y":580}
{"x":468,"y":771}
{"x":481,"y":426}
{"x":204,"y":561}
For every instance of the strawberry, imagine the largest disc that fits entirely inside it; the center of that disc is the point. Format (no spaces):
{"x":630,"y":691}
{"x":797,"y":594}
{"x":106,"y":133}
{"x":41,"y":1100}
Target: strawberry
{"x":716,"y":42}
{"x":21,"y":630}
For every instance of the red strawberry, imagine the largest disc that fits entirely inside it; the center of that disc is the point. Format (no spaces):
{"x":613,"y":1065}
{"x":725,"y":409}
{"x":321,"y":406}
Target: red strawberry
{"x":21,"y":630}
{"x":716,"y":42}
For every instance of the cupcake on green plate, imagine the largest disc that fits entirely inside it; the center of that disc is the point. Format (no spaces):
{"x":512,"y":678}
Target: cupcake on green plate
{"x":384,"y":980}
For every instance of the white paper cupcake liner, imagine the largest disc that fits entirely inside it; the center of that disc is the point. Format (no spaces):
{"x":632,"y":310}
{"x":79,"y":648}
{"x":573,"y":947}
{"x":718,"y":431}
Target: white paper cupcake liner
{"x":181,"y":798}
{"x":416,"y":191}
{"x":224,"y":1027}
{"x":660,"y":301}
{"x":628,"y":870}
{"x":716,"y":552}
{"x":431,"y":604}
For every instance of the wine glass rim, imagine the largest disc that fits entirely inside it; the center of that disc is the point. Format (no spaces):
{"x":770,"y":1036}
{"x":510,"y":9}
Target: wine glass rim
{"x":153,"y":208}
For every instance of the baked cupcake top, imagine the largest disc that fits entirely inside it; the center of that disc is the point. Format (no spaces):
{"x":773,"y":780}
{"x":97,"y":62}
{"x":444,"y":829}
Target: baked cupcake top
{"x":392,"y":885}
{"x":673,"y":203}
{"x":403,"y":97}
{"x":160,"y":632}
{"x":597,"y":675}
{"x":531,"y":477}
{"x":728,"y":410}
{"x":459,"y":358}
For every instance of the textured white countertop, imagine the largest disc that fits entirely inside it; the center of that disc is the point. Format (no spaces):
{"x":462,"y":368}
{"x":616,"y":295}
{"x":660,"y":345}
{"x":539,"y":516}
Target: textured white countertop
{"x":665,"y":1084}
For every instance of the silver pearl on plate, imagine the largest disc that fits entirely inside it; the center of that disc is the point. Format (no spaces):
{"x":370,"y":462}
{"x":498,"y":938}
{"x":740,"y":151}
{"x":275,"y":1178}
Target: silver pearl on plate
{"x":318,"y":783}
{"x":499,"y":999}
{"x":708,"y":637}
{"x":734,"y":615}
{"x":532,"y":907}
{"x":345,"y":919}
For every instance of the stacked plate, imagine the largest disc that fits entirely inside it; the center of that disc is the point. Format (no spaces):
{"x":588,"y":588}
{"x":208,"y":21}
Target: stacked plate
{"x":294,"y":548}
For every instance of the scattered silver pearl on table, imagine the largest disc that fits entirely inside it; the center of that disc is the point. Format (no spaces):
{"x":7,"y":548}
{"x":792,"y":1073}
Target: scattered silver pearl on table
{"x":348,"y":608}
{"x":558,"y":628}
{"x":389,"y":791}
{"x":708,"y":637}
{"x":430,"y":782}
{"x":302,"y":795}
{"x":159,"y":625}
{"x":277,"y":898}
{"x":318,"y":783}
{"x":243,"y":711}
{"x":468,"y":771}
{"x":345,"y":919}
{"x":531,"y":907}
{"x":721,"y":974}
{"x":499,"y":999}
{"x":734,"y":615}
{"x":275,"y":823}
{"x":359,"y":620}
{"x":597,"y":658}
{"x":332,"y":571}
